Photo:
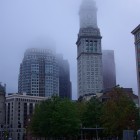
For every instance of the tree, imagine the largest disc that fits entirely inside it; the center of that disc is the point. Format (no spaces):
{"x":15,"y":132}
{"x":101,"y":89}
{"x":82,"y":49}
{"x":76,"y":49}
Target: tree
{"x":92,"y":113}
{"x":81,"y":108}
{"x":119,"y":113}
{"x":55,"y":118}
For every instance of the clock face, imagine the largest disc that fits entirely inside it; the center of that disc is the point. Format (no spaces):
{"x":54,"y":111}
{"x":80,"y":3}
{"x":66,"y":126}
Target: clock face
{"x":91,"y":46}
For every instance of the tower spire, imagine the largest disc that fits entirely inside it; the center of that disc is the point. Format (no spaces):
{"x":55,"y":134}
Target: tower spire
{"x":88,"y":14}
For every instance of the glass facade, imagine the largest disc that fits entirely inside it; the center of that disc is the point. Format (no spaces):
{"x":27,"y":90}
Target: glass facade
{"x":39,"y":73}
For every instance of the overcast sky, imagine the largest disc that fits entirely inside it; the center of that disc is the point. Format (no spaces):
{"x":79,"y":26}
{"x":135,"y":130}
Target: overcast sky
{"x":22,"y":22}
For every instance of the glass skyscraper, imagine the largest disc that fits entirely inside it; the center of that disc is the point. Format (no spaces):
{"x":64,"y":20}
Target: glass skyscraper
{"x":39,"y":75}
{"x":44,"y":73}
{"x":109,"y":72}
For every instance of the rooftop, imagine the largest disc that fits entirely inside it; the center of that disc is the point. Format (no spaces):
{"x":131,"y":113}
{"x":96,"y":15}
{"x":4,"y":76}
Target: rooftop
{"x":136,"y":30}
{"x":25,"y":96}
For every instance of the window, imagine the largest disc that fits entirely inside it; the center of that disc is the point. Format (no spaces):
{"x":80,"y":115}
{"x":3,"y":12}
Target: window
{"x":87,"y":43}
{"x":91,"y":43}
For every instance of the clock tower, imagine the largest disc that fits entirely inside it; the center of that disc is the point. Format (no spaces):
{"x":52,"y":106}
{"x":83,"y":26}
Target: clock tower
{"x":89,"y":51}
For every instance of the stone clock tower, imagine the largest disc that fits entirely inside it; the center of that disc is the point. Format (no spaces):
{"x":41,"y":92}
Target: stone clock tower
{"x":89,"y":51}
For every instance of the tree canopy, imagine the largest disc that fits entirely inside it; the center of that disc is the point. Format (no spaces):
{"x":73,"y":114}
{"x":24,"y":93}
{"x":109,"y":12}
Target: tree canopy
{"x":55,"y":118}
{"x":63,"y":118}
{"x":92,"y":113}
{"x":119,"y":113}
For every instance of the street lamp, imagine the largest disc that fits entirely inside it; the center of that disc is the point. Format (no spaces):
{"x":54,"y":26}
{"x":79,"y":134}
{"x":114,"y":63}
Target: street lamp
{"x":81,"y":132}
{"x":96,"y":133}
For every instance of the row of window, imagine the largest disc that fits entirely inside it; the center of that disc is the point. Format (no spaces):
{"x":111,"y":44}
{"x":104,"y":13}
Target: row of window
{"x":138,"y":46}
{"x":27,"y":100}
{"x":137,"y":36}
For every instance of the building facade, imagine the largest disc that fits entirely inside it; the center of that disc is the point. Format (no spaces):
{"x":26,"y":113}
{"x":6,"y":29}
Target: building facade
{"x":65,"y":88}
{"x":19,"y":107}
{"x":39,"y":75}
{"x":2,"y":110}
{"x":136,"y":33}
{"x":109,"y":72}
{"x":89,"y":51}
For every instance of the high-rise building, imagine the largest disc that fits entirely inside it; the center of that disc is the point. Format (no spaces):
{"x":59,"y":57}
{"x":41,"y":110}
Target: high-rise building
{"x":109,"y":72}
{"x":44,"y":73}
{"x":39,"y":75}
{"x":64,"y":78}
{"x":2,"y":111}
{"x":136,"y":33}
{"x":89,"y":51}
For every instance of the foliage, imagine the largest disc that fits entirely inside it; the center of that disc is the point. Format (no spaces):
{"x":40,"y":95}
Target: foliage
{"x":55,"y":118}
{"x":119,"y":113}
{"x":63,"y":118}
{"x":81,"y":108}
{"x":92,"y":113}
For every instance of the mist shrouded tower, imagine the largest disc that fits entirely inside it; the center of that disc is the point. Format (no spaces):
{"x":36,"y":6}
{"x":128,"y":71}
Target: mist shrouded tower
{"x":88,"y":14}
{"x":89,"y":52}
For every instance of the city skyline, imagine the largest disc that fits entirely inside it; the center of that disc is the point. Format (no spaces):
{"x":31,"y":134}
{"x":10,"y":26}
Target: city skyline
{"x":23,"y":22}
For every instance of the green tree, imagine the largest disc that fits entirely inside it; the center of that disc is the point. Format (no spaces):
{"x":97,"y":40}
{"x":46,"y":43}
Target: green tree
{"x":81,"y":108}
{"x":91,"y":115}
{"x":119,"y":113}
{"x":55,"y":118}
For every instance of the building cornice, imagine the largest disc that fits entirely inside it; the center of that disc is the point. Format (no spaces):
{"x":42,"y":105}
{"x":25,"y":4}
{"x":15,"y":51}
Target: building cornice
{"x":89,"y":54}
{"x":136,"y":30}
{"x":25,"y":97}
{"x":88,"y":36}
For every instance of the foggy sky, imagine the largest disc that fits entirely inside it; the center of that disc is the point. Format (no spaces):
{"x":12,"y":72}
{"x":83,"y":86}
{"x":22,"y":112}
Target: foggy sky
{"x":22,"y":22}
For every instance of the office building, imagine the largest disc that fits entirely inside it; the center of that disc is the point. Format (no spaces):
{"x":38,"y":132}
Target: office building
{"x":136,"y":33}
{"x":39,"y":75}
{"x":44,"y":73}
{"x":65,"y":89}
{"x":89,"y":51}
{"x":109,"y":72}
{"x":19,"y":107}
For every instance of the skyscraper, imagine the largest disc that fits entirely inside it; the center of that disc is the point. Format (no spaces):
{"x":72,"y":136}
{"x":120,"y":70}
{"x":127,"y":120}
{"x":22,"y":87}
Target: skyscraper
{"x":39,"y":74}
{"x":109,"y":72}
{"x":89,"y":52}
{"x":64,"y":78}
{"x":44,"y":73}
{"x":136,"y":33}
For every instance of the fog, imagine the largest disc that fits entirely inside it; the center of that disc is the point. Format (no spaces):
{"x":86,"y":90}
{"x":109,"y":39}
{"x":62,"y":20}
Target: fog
{"x":22,"y":22}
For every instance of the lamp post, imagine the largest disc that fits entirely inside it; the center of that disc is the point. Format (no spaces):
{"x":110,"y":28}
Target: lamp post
{"x":81,"y":133}
{"x":96,"y":133}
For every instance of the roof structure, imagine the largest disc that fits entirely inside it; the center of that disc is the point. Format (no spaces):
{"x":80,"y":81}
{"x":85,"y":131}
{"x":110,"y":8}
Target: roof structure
{"x":136,"y":29}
